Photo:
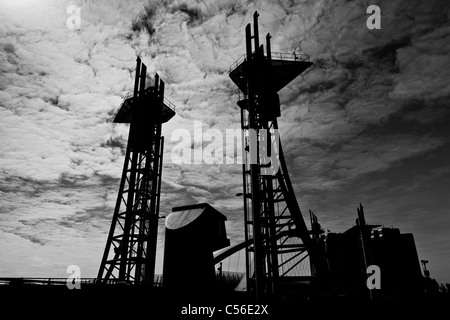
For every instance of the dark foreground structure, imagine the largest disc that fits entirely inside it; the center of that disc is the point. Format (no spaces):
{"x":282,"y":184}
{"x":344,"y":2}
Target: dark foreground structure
{"x":351,"y":253}
{"x":193,"y":233}
{"x":122,"y":301}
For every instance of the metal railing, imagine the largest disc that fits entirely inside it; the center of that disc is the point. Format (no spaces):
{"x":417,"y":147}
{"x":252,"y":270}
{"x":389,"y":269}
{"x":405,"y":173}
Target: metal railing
{"x":294,"y":56}
{"x":157,"y":281}
{"x":230,"y":276}
{"x":169,"y":104}
{"x":45,"y":281}
{"x":130,"y":95}
{"x":237,"y":62}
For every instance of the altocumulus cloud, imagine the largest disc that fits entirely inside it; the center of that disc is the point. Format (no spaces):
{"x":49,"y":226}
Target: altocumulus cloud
{"x":369,"y":115}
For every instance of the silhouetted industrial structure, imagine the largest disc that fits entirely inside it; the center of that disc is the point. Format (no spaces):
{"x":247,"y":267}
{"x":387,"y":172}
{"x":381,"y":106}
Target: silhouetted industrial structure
{"x":283,"y":258}
{"x":130,"y":251}
{"x":274,"y":225}
{"x":350,"y":253}
{"x":277,"y":240}
{"x":193,"y":233}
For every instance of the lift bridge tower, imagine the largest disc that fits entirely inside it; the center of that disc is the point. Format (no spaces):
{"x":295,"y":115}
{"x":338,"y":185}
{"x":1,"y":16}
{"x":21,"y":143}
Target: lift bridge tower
{"x":130,"y":250}
{"x":276,"y":235}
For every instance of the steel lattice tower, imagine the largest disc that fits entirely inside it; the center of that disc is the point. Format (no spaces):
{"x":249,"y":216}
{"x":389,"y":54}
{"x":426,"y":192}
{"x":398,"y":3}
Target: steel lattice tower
{"x":272,"y":214}
{"x":130,"y":251}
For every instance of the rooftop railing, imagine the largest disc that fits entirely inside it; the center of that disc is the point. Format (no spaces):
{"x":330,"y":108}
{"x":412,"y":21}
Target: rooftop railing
{"x":130,"y":95}
{"x":275,"y":56}
{"x":169,"y":104}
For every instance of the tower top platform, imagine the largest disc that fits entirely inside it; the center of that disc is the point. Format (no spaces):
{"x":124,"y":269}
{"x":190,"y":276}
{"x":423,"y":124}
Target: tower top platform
{"x":124,"y":113}
{"x":285,"y":68}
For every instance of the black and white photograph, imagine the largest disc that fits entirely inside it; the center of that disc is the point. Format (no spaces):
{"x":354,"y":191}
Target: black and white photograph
{"x":250,"y":159}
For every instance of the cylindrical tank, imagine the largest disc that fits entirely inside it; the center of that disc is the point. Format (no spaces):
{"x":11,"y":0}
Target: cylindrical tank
{"x":192,"y":234}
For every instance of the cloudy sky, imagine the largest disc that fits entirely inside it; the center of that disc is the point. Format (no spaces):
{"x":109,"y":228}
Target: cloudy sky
{"x":369,"y":122}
